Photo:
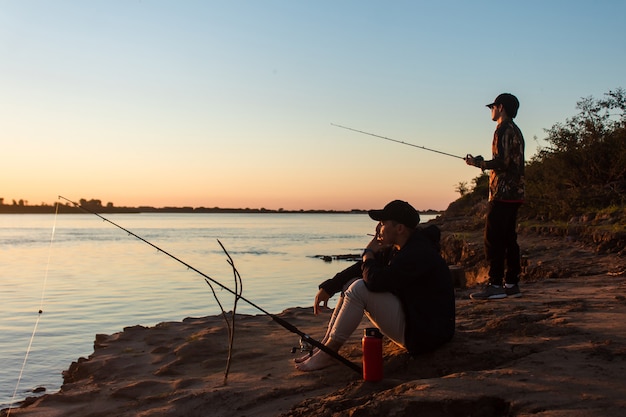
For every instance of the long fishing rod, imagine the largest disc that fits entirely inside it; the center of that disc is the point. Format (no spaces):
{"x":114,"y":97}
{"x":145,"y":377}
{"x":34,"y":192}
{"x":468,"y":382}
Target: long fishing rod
{"x":398,"y":141}
{"x":305,"y":337}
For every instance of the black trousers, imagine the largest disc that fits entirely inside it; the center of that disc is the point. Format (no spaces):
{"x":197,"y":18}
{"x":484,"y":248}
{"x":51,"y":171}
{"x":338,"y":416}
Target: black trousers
{"x":501,"y":246}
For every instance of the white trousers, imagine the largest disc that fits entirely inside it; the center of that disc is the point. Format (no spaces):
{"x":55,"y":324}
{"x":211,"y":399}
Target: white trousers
{"x":383,"y":309}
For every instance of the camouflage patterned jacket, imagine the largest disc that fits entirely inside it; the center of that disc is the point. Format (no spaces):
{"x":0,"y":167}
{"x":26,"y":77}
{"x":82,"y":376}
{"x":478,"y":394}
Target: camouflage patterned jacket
{"x":506,"y":180}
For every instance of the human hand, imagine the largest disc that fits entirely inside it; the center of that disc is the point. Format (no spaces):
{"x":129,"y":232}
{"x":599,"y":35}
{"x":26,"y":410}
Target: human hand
{"x":322,"y":298}
{"x":378,"y":227}
{"x":376,"y":243}
{"x":476,"y":161}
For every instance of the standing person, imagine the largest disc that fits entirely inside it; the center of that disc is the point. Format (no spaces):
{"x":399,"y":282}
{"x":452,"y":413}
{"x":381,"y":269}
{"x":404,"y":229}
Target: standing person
{"x":506,"y":194}
{"x":402,"y":284}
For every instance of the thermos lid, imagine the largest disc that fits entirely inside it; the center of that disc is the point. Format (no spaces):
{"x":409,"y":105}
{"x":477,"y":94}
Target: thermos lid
{"x":372,"y":332}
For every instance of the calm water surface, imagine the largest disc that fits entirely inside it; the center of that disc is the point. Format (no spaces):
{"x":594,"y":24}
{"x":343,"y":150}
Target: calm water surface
{"x":90,"y":277}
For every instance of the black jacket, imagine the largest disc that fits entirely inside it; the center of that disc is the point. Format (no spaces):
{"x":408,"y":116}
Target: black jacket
{"x":420,"y":278}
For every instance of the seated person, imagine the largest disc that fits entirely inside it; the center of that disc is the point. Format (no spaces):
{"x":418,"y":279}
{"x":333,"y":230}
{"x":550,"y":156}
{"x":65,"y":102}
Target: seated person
{"x":402,"y":285}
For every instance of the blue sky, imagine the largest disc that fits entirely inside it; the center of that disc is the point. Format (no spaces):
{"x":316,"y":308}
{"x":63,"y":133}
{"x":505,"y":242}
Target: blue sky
{"x":230,"y":104}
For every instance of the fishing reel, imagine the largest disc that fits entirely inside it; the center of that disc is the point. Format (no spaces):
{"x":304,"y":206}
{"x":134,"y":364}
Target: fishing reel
{"x":304,"y":347}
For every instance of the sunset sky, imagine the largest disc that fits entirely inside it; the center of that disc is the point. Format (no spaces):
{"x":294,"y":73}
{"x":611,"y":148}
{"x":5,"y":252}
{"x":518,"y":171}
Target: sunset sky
{"x":230,"y":103}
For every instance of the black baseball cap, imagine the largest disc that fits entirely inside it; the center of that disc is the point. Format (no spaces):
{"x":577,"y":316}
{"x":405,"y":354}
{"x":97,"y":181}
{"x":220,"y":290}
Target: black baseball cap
{"x":510,"y":103}
{"x":399,"y":211}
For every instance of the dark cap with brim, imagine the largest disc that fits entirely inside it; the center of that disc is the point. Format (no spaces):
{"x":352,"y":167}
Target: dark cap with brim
{"x":398,"y":211}
{"x":510,"y":103}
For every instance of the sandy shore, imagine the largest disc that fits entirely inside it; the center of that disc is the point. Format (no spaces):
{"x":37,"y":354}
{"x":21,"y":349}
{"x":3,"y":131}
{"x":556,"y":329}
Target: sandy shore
{"x":560,"y":350}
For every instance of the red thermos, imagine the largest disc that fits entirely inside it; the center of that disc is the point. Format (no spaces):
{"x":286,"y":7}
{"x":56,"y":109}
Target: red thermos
{"x":372,"y":354}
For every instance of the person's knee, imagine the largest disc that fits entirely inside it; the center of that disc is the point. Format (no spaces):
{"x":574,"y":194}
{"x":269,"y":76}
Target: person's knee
{"x":357,"y":290}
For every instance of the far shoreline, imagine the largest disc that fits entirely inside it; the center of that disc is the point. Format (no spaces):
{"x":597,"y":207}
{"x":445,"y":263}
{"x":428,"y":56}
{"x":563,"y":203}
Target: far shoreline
{"x":95,"y":206}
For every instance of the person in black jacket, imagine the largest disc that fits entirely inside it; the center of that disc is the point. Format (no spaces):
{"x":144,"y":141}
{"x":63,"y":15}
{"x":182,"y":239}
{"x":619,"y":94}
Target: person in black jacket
{"x":402,"y":284}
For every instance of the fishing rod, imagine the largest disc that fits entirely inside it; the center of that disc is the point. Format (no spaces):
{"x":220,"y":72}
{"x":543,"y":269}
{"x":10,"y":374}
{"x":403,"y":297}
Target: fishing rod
{"x":304,"y":337}
{"x":398,"y":141}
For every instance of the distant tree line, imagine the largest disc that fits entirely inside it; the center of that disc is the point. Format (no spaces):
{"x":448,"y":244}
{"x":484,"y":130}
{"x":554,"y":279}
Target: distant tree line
{"x":96,"y":205}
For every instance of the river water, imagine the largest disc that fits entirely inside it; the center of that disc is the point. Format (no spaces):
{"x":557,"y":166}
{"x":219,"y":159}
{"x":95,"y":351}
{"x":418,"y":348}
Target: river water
{"x":88,"y":276}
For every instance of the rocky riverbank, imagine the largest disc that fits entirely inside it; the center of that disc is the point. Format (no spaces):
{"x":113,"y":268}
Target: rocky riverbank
{"x":557,"y":351}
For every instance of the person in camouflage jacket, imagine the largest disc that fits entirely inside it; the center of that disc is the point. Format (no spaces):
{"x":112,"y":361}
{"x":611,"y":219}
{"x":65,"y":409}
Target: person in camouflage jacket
{"x":506,"y":194}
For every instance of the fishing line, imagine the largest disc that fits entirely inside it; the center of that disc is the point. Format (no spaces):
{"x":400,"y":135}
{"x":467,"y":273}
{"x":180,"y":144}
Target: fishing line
{"x":398,"y":141}
{"x":305,"y":337}
{"x":40,"y":312}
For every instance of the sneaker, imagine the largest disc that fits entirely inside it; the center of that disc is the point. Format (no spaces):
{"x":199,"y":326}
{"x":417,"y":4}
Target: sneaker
{"x":513,"y":291}
{"x":490,"y":292}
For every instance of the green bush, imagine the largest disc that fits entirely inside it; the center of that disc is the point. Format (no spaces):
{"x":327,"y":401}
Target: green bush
{"x":583,"y":168}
